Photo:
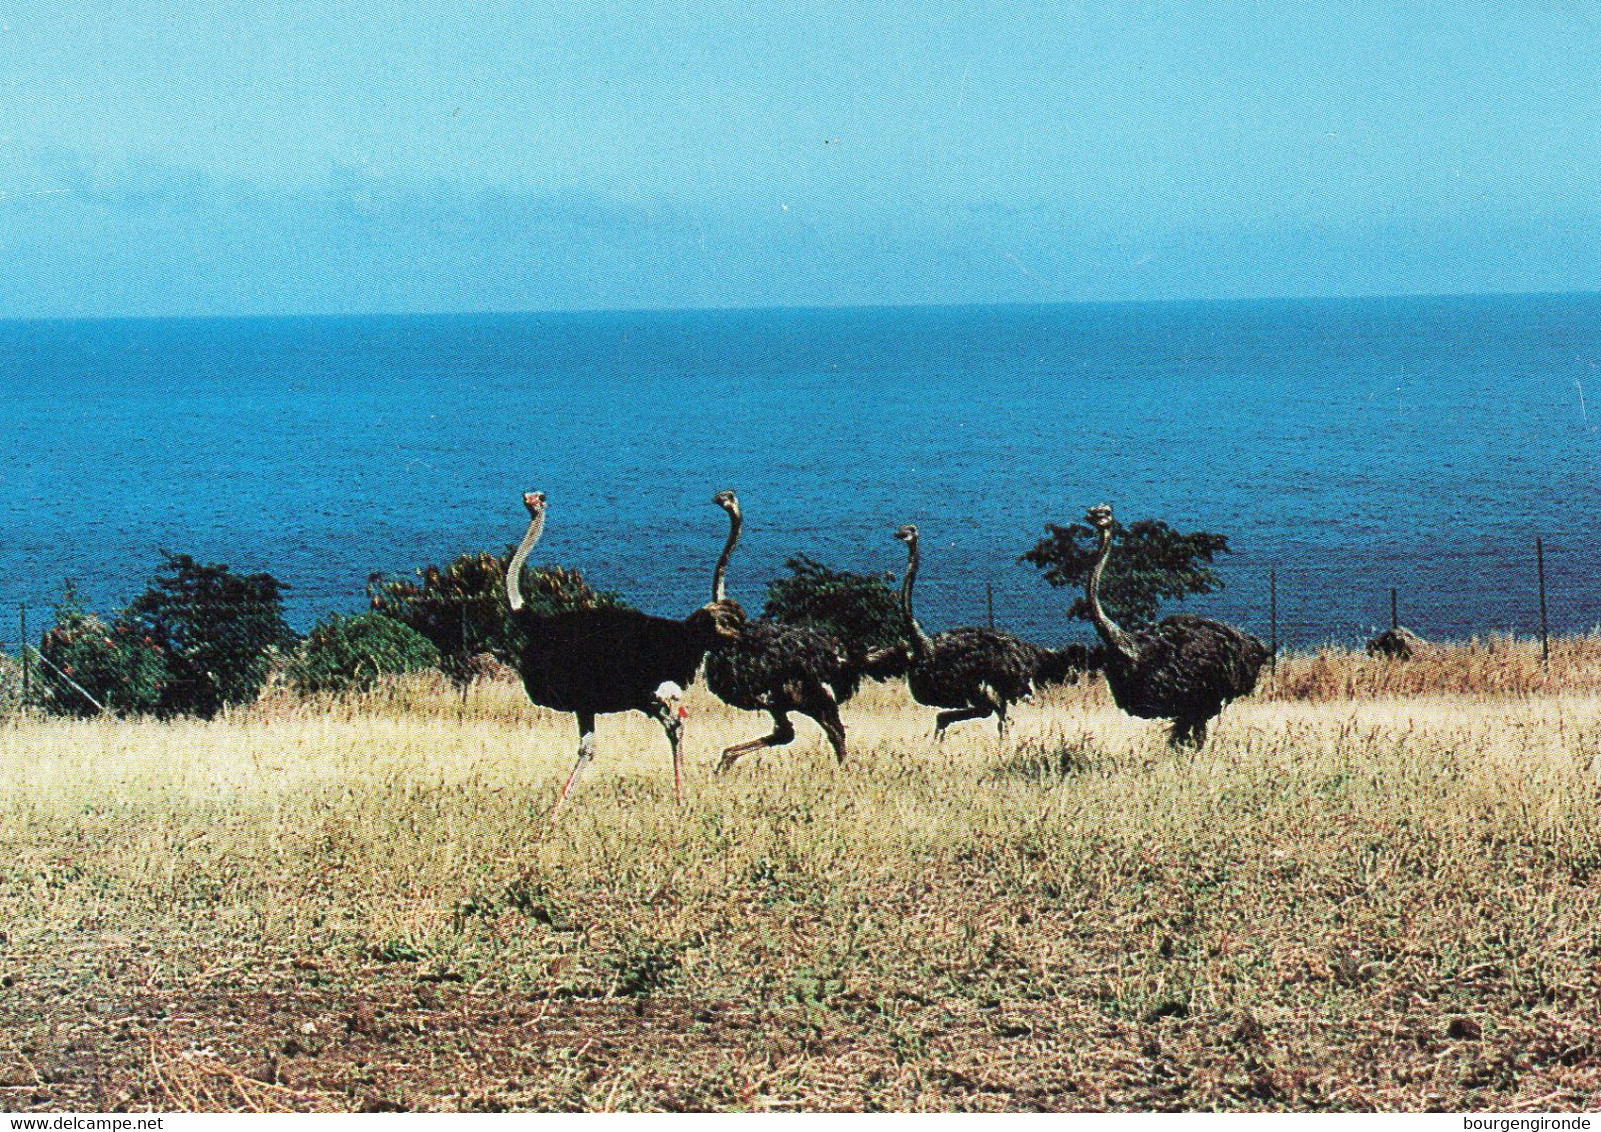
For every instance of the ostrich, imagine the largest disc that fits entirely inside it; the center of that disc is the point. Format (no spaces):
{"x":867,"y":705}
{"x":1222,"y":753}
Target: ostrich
{"x":1399,"y":643}
{"x":1066,"y":665}
{"x":596,"y":661}
{"x":780,"y":668}
{"x":972,"y":672}
{"x":1183,"y":669}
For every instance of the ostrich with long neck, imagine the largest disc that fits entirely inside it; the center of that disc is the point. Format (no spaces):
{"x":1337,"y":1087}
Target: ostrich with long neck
{"x":971,"y":672}
{"x":596,"y":661}
{"x":1183,"y":669}
{"x":780,"y":668}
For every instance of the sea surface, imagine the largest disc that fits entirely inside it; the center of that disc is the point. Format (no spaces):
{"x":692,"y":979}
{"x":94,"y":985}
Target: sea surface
{"x":1349,"y":445}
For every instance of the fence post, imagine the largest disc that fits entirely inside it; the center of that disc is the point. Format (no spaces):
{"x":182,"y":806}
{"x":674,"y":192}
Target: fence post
{"x":989,"y":600}
{"x":1395,"y":616}
{"x":1539,"y":567}
{"x":1273,"y":620}
{"x":27,"y":681}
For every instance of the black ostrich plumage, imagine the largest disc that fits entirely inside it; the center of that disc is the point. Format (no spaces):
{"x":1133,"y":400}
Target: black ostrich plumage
{"x":1186,"y":669}
{"x":961,"y":664}
{"x":596,"y":661}
{"x":773,"y":665}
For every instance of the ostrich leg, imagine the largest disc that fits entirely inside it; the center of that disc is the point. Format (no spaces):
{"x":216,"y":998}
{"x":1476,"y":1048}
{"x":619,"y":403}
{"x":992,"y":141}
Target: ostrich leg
{"x":825,"y":711}
{"x":586,"y":754}
{"x":945,"y":718}
{"x":670,"y":716}
{"x":783,"y":732}
{"x":1187,"y":733}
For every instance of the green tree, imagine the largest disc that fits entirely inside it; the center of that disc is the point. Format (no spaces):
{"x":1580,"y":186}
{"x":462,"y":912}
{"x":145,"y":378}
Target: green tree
{"x":859,"y":609}
{"x":1151,"y":563}
{"x":119,"y":665}
{"x":218,"y":630}
{"x":350,"y":654}
{"x":461,"y":606}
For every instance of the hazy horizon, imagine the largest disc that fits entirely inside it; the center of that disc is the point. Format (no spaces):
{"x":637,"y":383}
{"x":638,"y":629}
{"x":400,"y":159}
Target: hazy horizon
{"x":1244,"y":301}
{"x":507,"y":158}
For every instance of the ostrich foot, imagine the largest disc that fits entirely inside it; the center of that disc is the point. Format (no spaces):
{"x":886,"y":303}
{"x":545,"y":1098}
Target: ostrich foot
{"x":783,"y":732}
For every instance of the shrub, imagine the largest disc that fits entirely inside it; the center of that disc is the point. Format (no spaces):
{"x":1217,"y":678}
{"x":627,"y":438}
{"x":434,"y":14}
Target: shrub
{"x":217,"y":629}
{"x":1151,"y":562}
{"x":119,"y":666}
{"x":349,"y":654}
{"x":860,"y":609}
{"x":461,"y":606}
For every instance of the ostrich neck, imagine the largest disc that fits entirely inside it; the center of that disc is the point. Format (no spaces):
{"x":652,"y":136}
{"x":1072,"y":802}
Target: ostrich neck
{"x":735,"y":522}
{"x":1111,"y":632}
{"x":920,"y":641}
{"x":514,"y":568}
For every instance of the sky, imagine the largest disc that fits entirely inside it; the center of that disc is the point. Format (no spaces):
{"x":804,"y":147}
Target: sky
{"x":211,"y":158}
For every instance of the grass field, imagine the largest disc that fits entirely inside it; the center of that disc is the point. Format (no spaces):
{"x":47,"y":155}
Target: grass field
{"x":1378,"y":887}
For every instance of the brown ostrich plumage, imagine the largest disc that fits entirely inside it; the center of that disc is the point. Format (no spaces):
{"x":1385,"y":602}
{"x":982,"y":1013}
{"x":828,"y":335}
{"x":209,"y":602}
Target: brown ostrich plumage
{"x":1184,"y":669}
{"x":1399,"y":643}
{"x":971,"y":672}
{"x":778,"y":668}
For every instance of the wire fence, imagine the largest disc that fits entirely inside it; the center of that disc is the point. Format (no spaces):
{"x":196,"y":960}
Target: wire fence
{"x":1260,"y":608}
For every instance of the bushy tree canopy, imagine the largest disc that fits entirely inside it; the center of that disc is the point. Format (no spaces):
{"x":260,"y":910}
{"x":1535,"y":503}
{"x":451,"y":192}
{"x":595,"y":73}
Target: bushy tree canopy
{"x":120,"y":665}
{"x":461,"y":606}
{"x":350,"y":654}
{"x":860,"y":610}
{"x":1151,"y":563}
{"x":217,"y":630}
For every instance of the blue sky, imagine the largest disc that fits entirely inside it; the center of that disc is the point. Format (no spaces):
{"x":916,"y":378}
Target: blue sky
{"x":211,"y":158}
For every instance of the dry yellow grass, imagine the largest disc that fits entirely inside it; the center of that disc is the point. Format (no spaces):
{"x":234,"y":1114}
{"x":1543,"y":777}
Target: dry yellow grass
{"x":1486,"y":666}
{"x":1378,"y":901}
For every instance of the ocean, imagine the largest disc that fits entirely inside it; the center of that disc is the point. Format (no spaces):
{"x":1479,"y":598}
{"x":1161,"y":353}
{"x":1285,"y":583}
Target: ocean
{"x":1348,"y":445}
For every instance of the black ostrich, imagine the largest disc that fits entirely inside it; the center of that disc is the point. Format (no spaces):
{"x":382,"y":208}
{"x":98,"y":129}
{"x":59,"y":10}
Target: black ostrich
{"x":973,"y":672}
{"x":780,"y":668}
{"x":1183,"y":669}
{"x":596,"y":661}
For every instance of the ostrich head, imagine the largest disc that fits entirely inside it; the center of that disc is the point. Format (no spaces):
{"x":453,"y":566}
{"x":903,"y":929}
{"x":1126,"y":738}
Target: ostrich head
{"x":1099,"y":516}
{"x":671,"y":697}
{"x":535,"y":502}
{"x":908,"y":533}
{"x":726,"y":500}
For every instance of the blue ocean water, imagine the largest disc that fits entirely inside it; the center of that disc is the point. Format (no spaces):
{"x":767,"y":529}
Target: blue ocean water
{"x":1352,"y":445}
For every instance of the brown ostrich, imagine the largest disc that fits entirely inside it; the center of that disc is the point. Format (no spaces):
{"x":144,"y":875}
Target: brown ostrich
{"x":972,"y":672}
{"x":1398,"y":643}
{"x":779,"y":668}
{"x":1184,"y":669}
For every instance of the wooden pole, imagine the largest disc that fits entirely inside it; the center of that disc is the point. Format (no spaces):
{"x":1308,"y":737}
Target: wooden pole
{"x":1539,"y":567}
{"x":989,"y":599}
{"x":27,"y":680}
{"x":1395,"y":616}
{"x":1273,"y":620}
